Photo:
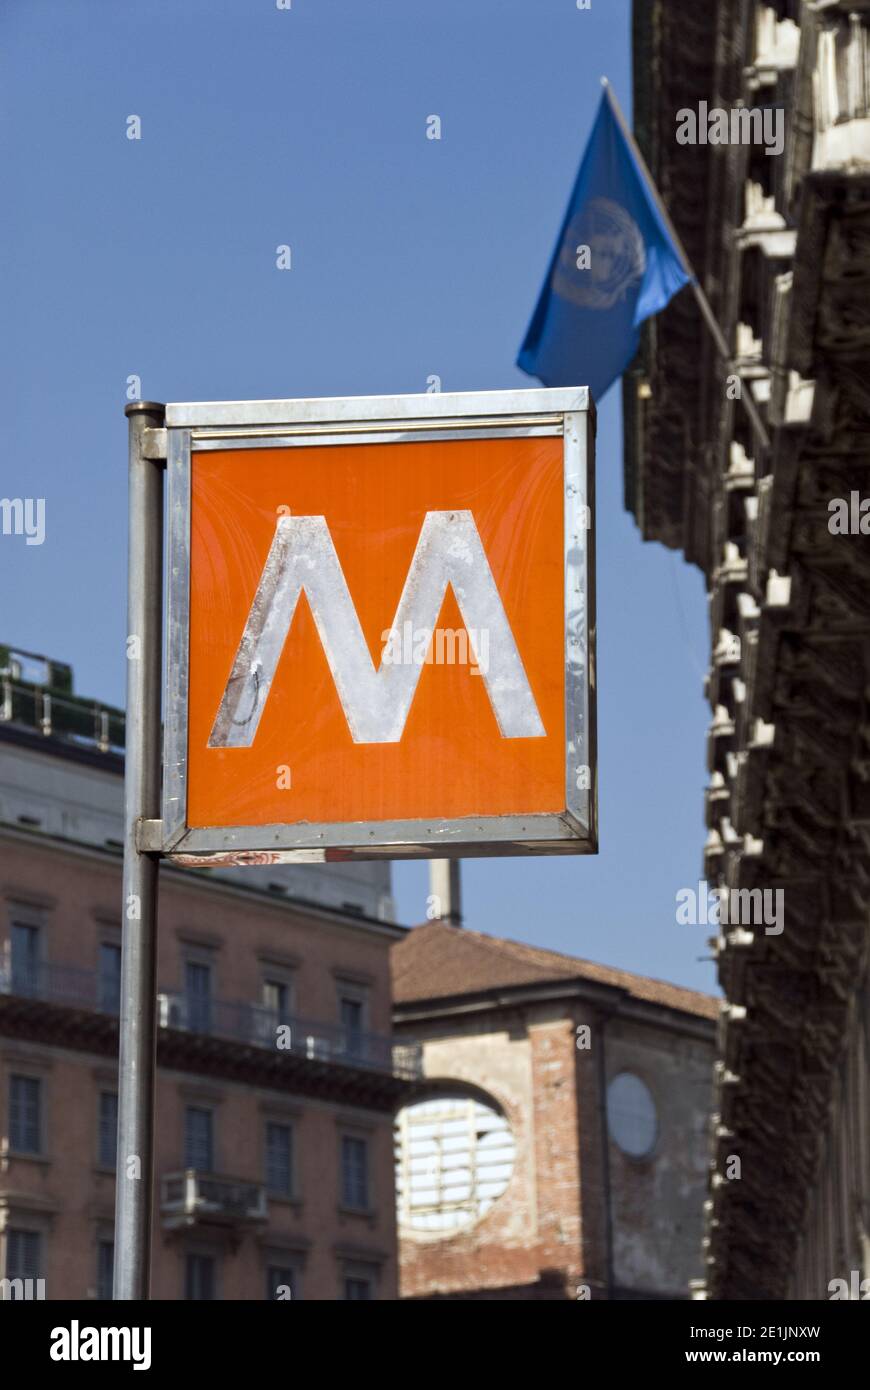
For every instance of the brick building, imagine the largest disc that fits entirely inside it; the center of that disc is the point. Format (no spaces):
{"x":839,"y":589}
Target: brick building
{"x":557,"y":1145}
{"x":277,"y":1073}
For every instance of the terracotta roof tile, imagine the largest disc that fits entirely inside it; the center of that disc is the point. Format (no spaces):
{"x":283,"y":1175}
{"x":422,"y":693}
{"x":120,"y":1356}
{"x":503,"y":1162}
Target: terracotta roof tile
{"x":437,"y":961}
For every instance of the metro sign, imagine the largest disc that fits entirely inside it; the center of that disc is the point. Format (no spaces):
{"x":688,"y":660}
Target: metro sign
{"x":376,"y":699}
{"x":381,"y":628}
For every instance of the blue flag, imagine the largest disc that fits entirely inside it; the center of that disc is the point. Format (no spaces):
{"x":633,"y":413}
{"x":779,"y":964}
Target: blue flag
{"x":614,"y":265}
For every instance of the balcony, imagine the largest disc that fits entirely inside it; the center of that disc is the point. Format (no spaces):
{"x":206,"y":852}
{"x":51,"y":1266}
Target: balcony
{"x":198,"y":1027}
{"x":193,"y":1199}
{"x":312,"y":1039}
{"x":86,"y":723}
{"x":841,"y":89}
{"x":75,"y":987}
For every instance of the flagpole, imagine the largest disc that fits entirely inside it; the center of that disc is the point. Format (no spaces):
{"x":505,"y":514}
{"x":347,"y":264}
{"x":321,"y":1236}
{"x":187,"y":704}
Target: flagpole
{"x":703,"y":303}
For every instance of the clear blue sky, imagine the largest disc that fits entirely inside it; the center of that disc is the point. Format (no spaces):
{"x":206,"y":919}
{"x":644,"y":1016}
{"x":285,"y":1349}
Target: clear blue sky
{"x":411,"y":257}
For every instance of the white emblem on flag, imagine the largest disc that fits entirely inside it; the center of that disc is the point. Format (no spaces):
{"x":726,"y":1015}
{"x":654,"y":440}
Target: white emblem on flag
{"x":617,"y":256}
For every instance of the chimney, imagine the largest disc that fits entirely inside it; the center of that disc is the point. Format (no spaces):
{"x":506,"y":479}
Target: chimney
{"x":445,"y":894}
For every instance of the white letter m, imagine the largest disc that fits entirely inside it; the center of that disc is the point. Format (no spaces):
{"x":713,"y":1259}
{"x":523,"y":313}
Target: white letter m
{"x":376,"y":702}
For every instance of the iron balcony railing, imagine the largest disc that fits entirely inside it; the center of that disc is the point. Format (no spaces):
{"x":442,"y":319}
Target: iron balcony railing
{"x":234,"y":1020}
{"x":75,"y":986}
{"x":303,"y":1037}
{"x":188,"y":1197}
{"x":67,"y":716}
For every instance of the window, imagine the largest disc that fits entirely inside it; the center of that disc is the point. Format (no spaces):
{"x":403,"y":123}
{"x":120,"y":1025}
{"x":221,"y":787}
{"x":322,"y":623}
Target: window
{"x":359,"y":1285}
{"x":24,"y":958}
{"x":110,"y":977}
{"x":105,"y":1263}
{"x":631,"y":1115}
{"x":352,"y":1025}
{"x":25,"y":1114}
{"x":276,"y":1000}
{"x":198,"y":1139}
{"x":454,"y":1159}
{"x":23,"y":1254}
{"x":279,"y":1159}
{"x":107,"y":1139}
{"x":354,"y":1172}
{"x":199,"y":1277}
{"x":197,"y":991}
{"x":281,"y":1282}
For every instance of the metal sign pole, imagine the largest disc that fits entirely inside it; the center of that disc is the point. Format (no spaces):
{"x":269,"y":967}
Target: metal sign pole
{"x":135,"y":1165}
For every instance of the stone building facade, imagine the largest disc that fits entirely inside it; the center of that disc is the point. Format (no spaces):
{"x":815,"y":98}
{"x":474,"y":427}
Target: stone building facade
{"x":781,"y":243}
{"x":277,"y":1072}
{"x":556,"y":1148}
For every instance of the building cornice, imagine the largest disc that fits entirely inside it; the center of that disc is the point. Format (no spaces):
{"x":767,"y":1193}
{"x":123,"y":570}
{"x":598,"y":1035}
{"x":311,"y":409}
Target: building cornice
{"x":109,"y":858}
{"x":616,"y":1002}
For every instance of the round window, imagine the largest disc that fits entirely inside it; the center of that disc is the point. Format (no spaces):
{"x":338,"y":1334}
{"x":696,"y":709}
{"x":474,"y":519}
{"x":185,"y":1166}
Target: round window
{"x":454,"y":1159}
{"x":631,"y":1115}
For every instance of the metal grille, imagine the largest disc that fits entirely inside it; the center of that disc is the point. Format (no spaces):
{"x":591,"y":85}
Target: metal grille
{"x":199,"y":1279}
{"x":105,"y":1262}
{"x":24,"y":1097}
{"x":279,"y":1159}
{"x":108,"y":1133}
{"x":24,"y":1249}
{"x":354,"y":1172}
{"x":198,"y":1141}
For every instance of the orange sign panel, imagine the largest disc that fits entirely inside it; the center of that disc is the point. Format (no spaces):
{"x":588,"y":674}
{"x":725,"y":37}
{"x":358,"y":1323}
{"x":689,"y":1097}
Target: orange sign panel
{"x":381,"y":628}
{"x":319,"y":752}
